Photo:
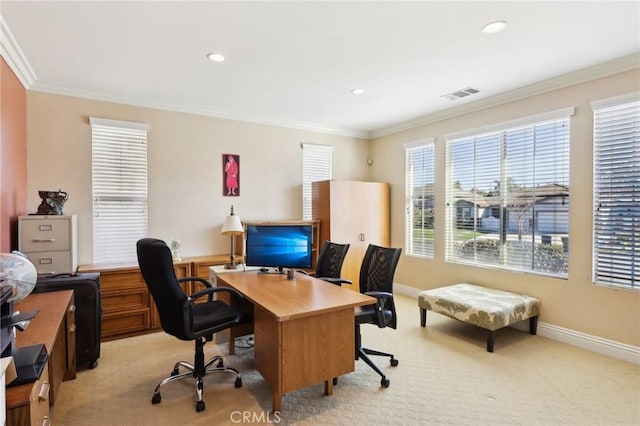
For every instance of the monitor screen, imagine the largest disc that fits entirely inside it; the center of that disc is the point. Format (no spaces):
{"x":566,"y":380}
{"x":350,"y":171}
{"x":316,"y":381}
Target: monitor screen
{"x":279,"y":246}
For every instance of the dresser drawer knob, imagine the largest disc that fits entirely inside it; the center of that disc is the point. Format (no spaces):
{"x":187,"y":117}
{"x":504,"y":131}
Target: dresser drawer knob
{"x":43,"y":394}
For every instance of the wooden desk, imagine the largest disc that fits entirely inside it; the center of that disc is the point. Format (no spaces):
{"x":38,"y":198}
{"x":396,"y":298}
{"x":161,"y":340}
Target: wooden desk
{"x":304,"y":329}
{"x":30,"y":403}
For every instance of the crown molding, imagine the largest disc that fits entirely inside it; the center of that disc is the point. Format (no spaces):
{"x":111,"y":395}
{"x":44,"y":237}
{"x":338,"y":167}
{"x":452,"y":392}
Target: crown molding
{"x":198,"y":110}
{"x":19,"y":64}
{"x":625,"y":63}
{"x":14,"y":57}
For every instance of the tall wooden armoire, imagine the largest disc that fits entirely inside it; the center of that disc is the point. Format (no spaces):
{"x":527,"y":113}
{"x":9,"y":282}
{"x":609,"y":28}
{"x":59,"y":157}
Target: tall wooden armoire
{"x":352,"y":212}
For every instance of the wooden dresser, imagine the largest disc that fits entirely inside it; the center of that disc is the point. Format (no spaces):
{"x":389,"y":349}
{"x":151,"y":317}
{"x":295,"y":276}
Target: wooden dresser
{"x":55,"y":325}
{"x":128,"y":308}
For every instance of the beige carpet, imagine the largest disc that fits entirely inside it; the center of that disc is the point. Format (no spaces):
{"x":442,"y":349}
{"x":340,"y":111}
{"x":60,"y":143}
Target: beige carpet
{"x":445,"y":377}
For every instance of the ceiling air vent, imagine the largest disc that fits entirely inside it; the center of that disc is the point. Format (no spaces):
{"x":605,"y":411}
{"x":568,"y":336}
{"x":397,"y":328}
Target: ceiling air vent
{"x":460,"y":93}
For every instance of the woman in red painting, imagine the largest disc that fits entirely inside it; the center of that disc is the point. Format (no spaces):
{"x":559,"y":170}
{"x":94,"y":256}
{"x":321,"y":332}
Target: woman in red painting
{"x":231,"y":169}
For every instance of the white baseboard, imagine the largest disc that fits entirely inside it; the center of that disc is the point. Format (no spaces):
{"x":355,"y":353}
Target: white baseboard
{"x":575,"y":338}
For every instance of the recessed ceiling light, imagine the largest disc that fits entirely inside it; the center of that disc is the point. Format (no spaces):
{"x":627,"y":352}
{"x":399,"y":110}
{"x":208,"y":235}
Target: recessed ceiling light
{"x":216,"y":57}
{"x":357,"y":91}
{"x":494,"y":27}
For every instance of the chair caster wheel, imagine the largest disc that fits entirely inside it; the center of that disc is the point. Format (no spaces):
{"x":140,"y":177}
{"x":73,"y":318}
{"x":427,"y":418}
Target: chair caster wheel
{"x":156,"y":398}
{"x":384,"y":383}
{"x":199,"y":406}
{"x":394,"y":362}
{"x":238,"y":383}
{"x":335,"y":381}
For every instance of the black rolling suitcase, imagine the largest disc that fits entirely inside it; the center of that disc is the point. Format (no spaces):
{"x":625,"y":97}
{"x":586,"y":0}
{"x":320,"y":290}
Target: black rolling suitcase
{"x":88,"y":303}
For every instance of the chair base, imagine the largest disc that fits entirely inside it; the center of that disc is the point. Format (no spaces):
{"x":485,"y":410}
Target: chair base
{"x":198,"y":373}
{"x":363,"y":354}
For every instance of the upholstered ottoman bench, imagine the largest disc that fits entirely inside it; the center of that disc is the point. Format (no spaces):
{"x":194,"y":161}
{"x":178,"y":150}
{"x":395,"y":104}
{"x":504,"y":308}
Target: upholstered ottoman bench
{"x":480,"y":306}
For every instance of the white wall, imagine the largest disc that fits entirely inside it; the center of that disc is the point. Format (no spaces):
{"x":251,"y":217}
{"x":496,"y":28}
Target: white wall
{"x":185,"y":168}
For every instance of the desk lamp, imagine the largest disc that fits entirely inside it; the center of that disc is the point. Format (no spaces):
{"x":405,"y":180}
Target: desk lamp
{"x":232,"y":227}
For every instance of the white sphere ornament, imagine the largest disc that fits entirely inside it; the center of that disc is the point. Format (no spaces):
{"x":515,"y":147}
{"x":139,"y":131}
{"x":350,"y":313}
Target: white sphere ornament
{"x":17,"y":272}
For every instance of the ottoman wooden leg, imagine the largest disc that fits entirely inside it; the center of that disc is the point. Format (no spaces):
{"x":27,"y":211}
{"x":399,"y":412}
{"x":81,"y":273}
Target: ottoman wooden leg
{"x":490,"y":341}
{"x":423,"y":317}
{"x":533,"y":325}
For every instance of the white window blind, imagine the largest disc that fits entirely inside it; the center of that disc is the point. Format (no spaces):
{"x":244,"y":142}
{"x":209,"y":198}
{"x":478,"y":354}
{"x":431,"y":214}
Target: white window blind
{"x":316,"y":166}
{"x":508,"y":197}
{"x":119,"y":183}
{"x":616,"y":195}
{"x":419,"y":187}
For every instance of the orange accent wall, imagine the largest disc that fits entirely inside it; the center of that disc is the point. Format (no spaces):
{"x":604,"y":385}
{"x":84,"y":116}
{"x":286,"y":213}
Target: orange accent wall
{"x":13,"y":156}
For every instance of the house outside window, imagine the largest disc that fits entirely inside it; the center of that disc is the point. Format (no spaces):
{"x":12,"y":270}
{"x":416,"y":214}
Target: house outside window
{"x":420,"y":205}
{"x":316,"y":166}
{"x":616,"y":192}
{"x":119,"y":184}
{"x":508,"y":195}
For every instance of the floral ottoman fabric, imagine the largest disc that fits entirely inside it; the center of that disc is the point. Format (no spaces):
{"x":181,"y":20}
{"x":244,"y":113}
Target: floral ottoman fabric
{"x":481,"y":306}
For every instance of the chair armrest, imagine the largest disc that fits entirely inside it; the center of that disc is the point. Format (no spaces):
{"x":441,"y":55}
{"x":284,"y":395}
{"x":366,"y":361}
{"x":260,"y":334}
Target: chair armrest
{"x":381,"y":299}
{"x":236,"y":296}
{"x":336,"y":281}
{"x":196,"y":279}
{"x":202,"y":281}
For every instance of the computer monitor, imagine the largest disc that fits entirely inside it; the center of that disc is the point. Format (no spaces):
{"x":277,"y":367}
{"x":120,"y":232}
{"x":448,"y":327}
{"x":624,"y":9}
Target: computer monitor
{"x":279,"y":246}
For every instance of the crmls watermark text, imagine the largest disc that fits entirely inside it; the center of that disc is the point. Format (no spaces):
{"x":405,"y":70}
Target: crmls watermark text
{"x":253,"y":417}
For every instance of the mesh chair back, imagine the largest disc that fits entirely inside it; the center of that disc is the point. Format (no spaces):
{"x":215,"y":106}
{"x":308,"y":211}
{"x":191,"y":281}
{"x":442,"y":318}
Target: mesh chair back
{"x":330,"y":260}
{"x":377,"y":271}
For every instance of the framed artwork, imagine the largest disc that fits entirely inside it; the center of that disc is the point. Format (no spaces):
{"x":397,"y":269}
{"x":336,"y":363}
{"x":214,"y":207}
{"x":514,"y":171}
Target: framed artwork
{"x":230,"y":175}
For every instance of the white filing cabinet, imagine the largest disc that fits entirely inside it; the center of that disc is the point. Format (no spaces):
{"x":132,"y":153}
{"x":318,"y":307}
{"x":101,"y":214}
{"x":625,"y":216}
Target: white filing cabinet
{"x":50,"y":242}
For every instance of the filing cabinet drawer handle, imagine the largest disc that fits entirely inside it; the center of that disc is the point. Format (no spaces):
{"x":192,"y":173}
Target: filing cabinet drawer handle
{"x":46,"y":421}
{"x":45,"y":261}
{"x":43,"y":240}
{"x":43,"y":394}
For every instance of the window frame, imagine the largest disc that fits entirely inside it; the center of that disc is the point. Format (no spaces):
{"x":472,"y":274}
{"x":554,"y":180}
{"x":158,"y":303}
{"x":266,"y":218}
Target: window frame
{"x":119,"y":185}
{"x":317,"y":165}
{"x":425,"y":148}
{"x":622,"y":140}
{"x":508,"y":257}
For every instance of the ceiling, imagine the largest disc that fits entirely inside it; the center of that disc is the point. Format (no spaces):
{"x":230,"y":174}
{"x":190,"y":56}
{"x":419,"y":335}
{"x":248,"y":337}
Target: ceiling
{"x":294,"y":64}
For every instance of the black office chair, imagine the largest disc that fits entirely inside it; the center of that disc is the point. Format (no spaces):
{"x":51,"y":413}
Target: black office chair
{"x":376,"y":280}
{"x":184,"y":318}
{"x":330,"y":260}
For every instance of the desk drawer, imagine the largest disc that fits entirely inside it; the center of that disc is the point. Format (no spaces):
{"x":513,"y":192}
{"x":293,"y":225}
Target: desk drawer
{"x":125,"y":322}
{"x":121,"y":280}
{"x":125,"y":300}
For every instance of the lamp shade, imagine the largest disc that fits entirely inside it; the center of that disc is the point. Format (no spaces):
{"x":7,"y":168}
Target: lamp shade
{"x":232,"y":225}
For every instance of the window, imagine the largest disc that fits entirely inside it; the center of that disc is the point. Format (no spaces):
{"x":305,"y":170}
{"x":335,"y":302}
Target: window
{"x":616,"y":192}
{"x":419,"y":176}
{"x":508,"y":195}
{"x":119,"y":183}
{"x":316,"y":166}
